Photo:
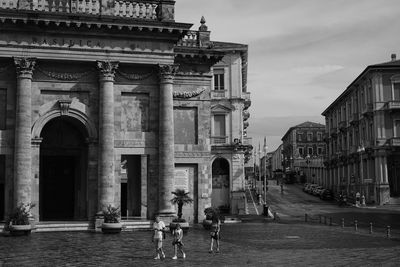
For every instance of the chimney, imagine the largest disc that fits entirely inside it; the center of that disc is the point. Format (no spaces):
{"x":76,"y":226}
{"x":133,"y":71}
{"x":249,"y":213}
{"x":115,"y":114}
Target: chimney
{"x":393,"y":57}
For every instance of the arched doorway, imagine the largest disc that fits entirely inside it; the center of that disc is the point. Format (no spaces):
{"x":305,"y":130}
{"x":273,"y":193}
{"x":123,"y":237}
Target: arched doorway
{"x":220,"y":183}
{"x":63,"y":167}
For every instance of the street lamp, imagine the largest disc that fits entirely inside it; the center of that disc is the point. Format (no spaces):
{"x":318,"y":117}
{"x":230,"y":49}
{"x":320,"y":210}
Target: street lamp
{"x":308,"y":167}
{"x":265,"y":173}
{"x":360,"y":149}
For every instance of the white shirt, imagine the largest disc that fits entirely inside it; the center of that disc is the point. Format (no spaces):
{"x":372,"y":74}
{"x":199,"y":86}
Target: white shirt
{"x":158,"y":226}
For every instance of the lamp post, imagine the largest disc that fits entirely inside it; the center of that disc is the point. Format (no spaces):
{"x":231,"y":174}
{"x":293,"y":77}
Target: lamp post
{"x":265,"y":174}
{"x":308,"y":167}
{"x":361,"y":149}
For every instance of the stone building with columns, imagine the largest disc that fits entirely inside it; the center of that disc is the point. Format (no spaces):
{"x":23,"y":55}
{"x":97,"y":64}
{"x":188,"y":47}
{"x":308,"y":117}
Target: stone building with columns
{"x":363,"y":136}
{"x":114,"y":103}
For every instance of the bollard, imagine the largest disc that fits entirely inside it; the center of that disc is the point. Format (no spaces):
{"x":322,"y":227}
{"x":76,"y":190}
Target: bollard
{"x":355,"y":225}
{"x":305,"y":217}
{"x":388,"y":231}
{"x":370,"y":228}
{"x":274,"y":215}
{"x":330,"y":221}
{"x":342,"y":222}
{"x":320,"y":218}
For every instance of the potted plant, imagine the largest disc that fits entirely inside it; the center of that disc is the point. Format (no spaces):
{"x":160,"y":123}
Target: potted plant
{"x":18,"y":221}
{"x":111,"y":224}
{"x":210,"y":213}
{"x":180,"y":198}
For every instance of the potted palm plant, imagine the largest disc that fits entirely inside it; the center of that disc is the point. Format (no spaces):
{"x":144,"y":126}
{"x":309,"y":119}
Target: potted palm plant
{"x":181,"y":198}
{"x":111,"y":224}
{"x":18,"y":221}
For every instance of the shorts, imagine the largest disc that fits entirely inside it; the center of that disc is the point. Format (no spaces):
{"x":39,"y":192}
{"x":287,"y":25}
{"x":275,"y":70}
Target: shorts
{"x":158,"y":242}
{"x":215,"y":235}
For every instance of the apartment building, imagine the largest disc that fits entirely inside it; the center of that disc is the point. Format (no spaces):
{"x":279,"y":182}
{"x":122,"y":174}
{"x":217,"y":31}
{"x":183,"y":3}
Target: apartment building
{"x":363,"y":136}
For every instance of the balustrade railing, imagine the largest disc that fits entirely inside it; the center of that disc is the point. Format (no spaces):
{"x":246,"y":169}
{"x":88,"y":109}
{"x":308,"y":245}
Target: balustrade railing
{"x":191,"y":39}
{"x":139,"y":9}
{"x":218,"y":94}
{"x":218,"y":140}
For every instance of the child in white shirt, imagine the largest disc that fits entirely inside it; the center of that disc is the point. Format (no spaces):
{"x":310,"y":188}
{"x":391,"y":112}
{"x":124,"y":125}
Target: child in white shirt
{"x":158,"y":227}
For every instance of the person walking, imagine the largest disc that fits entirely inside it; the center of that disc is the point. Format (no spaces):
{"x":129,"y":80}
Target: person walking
{"x":159,"y":228}
{"x":215,"y":234}
{"x":177,"y":233}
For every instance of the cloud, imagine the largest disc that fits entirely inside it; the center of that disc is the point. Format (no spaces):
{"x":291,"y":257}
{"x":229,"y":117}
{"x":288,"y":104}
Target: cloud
{"x":318,"y":70}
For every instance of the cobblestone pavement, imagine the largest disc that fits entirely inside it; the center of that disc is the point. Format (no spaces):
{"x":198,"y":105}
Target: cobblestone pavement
{"x":246,"y":244}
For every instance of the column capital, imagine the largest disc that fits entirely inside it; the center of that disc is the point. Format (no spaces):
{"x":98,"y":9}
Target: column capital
{"x":107,"y":70}
{"x":24,"y":66}
{"x":167,"y":72}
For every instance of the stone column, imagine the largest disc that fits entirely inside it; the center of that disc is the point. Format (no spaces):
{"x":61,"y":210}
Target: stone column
{"x":143,"y":166}
{"x":22,"y":150}
{"x":166,"y":140}
{"x":106,"y":133}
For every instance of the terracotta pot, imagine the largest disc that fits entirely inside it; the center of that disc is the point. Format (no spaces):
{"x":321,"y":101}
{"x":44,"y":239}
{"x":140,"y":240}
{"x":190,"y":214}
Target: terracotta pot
{"x":111,"y":228}
{"x":18,"y":230}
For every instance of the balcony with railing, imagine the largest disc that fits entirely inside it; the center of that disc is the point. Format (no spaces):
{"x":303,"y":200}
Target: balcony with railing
{"x":218,"y":94}
{"x":247,"y":141}
{"x":392,"y":105}
{"x":219,"y":140}
{"x":395,"y":141}
{"x":137,"y":9}
{"x":367,"y":109}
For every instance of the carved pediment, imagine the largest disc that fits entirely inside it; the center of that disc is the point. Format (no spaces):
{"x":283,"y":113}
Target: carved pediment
{"x":220,"y":109}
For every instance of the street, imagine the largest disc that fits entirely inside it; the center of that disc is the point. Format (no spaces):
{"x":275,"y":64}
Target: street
{"x":258,"y":241}
{"x":293,"y":204}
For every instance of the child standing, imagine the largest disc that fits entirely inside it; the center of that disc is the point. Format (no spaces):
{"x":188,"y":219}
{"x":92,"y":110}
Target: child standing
{"x":158,"y":236}
{"x":215,"y":235}
{"x":177,"y":243}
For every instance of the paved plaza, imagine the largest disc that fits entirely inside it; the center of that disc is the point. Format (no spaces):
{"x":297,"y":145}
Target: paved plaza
{"x":251,"y":244}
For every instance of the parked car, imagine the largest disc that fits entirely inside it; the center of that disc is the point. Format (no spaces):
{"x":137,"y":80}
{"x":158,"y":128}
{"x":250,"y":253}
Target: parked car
{"x":326,"y":194}
{"x":306,"y":185}
{"x":316,"y":190}
{"x":311,"y":188}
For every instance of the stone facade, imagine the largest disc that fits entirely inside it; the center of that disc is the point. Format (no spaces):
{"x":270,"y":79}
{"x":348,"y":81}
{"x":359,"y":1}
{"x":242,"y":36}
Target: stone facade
{"x":116,"y":108}
{"x":363,"y":131}
{"x":303,"y":150}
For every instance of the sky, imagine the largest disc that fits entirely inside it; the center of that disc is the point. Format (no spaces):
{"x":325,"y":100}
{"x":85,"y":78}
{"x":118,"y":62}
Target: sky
{"x":302,"y":53}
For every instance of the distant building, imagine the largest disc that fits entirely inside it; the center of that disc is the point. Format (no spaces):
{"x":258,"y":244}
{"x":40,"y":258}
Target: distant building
{"x":363,"y":133}
{"x":277,"y":159}
{"x":303,"y":149}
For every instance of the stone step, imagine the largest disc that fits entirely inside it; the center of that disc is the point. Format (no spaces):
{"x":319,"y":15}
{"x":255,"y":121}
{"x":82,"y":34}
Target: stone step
{"x":394,"y":201}
{"x":136,"y":225}
{"x":229,"y":219}
{"x":62,"y":227}
{"x":84,"y":226}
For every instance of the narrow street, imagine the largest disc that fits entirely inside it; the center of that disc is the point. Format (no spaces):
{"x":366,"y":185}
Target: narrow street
{"x":293,"y":204}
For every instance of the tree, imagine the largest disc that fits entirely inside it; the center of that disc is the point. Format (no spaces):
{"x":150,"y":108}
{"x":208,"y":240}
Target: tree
{"x":181,"y":198}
